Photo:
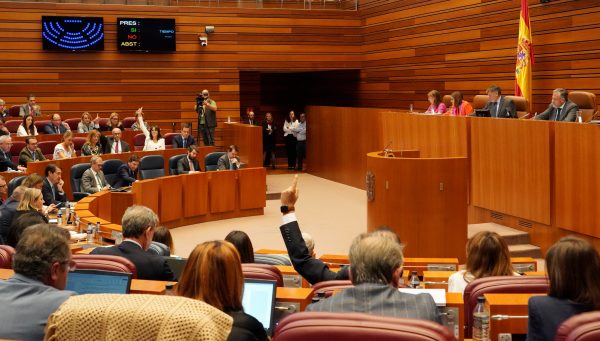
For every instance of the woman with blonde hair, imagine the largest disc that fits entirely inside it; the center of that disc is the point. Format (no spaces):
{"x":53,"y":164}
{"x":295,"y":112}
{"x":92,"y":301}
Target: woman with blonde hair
{"x":213,"y":274}
{"x":33,"y":180}
{"x":573,"y":268}
{"x":86,"y":124}
{"x":487,"y":255}
{"x":113,"y":122}
{"x":65,"y":149}
{"x":92,"y":144}
{"x":27,"y":127}
{"x":32,"y":201}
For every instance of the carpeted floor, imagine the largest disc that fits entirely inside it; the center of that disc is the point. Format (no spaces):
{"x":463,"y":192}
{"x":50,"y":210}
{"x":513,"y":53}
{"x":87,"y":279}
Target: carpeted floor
{"x":331,"y":212}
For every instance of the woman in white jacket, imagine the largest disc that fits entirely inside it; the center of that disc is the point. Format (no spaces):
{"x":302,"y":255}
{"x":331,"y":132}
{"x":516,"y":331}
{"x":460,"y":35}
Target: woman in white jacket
{"x":27,"y":128}
{"x":154,"y":140}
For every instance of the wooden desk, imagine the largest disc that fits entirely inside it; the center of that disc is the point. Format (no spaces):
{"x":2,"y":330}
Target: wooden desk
{"x":512,"y":305}
{"x":6,"y":273}
{"x":524,"y":264}
{"x":291,"y":277}
{"x":270,"y":251}
{"x":144,"y":286}
{"x":455,"y":306}
{"x":300,"y":297}
{"x":436,"y":279}
{"x":248,"y":139}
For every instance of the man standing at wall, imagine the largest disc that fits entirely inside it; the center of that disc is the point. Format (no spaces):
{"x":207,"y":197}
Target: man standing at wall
{"x":207,"y":117}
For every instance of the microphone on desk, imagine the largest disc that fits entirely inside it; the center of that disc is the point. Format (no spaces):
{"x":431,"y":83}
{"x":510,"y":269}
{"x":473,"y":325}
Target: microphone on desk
{"x":387,"y":151}
{"x":500,"y":317}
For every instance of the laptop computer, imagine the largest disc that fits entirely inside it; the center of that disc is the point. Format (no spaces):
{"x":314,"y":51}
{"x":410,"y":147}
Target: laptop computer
{"x":176,"y":264}
{"x":98,"y":282}
{"x":482,"y":113}
{"x":259,"y":301}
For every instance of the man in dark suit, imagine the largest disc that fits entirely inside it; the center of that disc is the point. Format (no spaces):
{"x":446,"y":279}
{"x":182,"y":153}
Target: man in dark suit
{"x":114,"y":144}
{"x":5,"y":155}
{"x":230,"y":160}
{"x":7,"y":211}
{"x":93,"y":179}
{"x":376,"y":269}
{"x":185,"y":139}
{"x":41,"y":263}
{"x":52,"y":188}
{"x":561,"y":109}
{"x":127,"y":172}
{"x":498,"y":105}
{"x":31,"y":152}
{"x":189,"y":164}
{"x":56,"y":125}
{"x":250,"y":120}
{"x":3,"y":188}
{"x":138,"y":229}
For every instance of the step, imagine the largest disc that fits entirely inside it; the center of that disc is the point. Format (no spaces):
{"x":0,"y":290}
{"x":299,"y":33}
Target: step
{"x":510,"y":235}
{"x":525,"y":250}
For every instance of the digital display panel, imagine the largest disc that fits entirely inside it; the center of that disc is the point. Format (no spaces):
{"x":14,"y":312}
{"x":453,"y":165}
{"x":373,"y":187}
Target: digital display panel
{"x":146,"y":34}
{"x":73,"y":33}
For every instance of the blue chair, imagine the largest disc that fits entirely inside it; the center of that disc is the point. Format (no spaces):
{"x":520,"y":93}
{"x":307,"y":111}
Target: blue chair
{"x":152,"y":166}
{"x":211,"y":160}
{"x":14,"y":183}
{"x":173,"y":163}
{"x":110,"y":168}
{"x":76,"y":174}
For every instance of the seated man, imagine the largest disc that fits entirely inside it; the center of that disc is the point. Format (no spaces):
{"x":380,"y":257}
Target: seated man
{"x":31,"y":152}
{"x":52,"y":189}
{"x":7,"y":212}
{"x":498,"y":105}
{"x":3,"y":189}
{"x":251,"y":121}
{"x":5,"y":155}
{"x":127,"y":172}
{"x":561,"y":109}
{"x":229,"y":161}
{"x":3,"y":108}
{"x":189,"y":163}
{"x":41,"y":263}
{"x":56,"y":125}
{"x":30,"y":107}
{"x":93,"y":179}
{"x":138,"y":226}
{"x":185,"y":139}
{"x":114,"y":144}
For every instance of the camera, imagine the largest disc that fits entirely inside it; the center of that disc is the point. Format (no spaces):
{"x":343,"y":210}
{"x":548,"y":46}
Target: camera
{"x":199,"y":100}
{"x":203,"y":40}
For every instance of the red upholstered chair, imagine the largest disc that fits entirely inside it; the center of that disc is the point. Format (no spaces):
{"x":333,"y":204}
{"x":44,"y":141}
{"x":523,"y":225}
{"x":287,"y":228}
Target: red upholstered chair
{"x":47,"y":148}
{"x":502,"y":285}
{"x":139,"y":140}
{"x":13,"y":125}
{"x":39,"y":125}
{"x":106,"y":263}
{"x":521,"y":104}
{"x":586,"y":101}
{"x":103,"y":122}
{"x":169,"y":139}
{"x":328,"y":288}
{"x":14,"y":111}
{"x":582,"y":327}
{"x":6,"y":256}
{"x":262,"y":271}
{"x":15,"y":149}
{"x":319,"y":326}
{"x":128,"y":122}
{"x":479,"y":101}
{"x":73,"y":122}
{"x":78,"y":143}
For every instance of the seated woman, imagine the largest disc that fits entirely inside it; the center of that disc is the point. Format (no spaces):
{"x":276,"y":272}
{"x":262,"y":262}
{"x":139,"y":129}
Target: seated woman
{"x":27,"y":128}
{"x":31,"y":201}
{"x":162,"y":242}
{"x":213,"y":274}
{"x":573,"y":269}
{"x":460,"y":107}
{"x":33,"y":181}
{"x":92,"y":144}
{"x":243,"y":245}
{"x":113,"y":122}
{"x":487,"y":255}
{"x":86,"y":124}
{"x":436,"y":106}
{"x":65,"y":149}
{"x":154,"y":140}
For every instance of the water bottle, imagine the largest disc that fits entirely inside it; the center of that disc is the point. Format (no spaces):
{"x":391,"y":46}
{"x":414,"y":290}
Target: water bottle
{"x":97,"y":231}
{"x":481,"y":321}
{"x":414,"y":281}
{"x":59,"y":218}
{"x":90,"y":233}
{"x":67,"y":213}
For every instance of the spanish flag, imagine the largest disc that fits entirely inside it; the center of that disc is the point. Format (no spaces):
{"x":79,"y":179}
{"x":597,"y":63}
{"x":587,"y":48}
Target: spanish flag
{"x":524,"y":56}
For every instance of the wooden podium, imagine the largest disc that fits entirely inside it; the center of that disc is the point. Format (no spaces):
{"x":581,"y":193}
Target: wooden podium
{"x":423,"y":199}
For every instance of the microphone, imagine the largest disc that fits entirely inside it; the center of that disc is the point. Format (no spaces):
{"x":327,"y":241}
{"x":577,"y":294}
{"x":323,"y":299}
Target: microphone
{"x":387,"y":151}
{"x":508,"y":317}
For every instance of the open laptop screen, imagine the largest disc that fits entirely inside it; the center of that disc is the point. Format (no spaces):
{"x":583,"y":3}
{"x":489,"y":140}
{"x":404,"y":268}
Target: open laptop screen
{"x":259,"y":301}
{"x":98,"y":282}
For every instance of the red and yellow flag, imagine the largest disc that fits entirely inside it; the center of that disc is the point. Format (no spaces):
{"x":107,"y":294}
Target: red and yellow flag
{"x":524,"y":56}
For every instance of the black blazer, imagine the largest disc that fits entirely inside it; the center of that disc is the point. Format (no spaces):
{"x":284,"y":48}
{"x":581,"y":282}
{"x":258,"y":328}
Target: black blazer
{"x":47,"y":193}
{"x":13,"y":234}
{"x":49,"y":129}
{"x":148,"y":266}
{"x":6,"y":162}
{"x":183,"y":165}
{"x":547,"y":313}
{"x":125,"y":176}
{"x":506,"y":109}
{"x":312,"y":269}
{"x":246,"y":328}
{"x":178,"y":141}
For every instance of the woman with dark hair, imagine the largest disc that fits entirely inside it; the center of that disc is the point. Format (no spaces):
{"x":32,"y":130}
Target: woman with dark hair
{"x":213,"y":274}
{"x":27,"y":127}
{"x":268,"y":128}
{"x":242,"y":243}
{"x":154,"y":141}
{"x":487,"y":255}
{"x":573,"y":269}
{"x":460,"y":107}
{"x":162,"y":242}
{"x":290,"y":139}
{"x":436,"y":106}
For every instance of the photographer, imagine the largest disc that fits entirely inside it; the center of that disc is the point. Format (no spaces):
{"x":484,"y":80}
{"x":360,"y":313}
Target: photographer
{"x":207,"y":117}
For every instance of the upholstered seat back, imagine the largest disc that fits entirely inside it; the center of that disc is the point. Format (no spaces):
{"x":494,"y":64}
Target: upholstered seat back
{"x":152,"y":166}
{"x":582,"y":327}
{"x":6,"y":256}
{"x":272,"y":259}
{"x":173,"y":163}
{"x":106,"y":263}
{"x":479,"y":101}
{"x":586,"y":101}
{"x":211,"y":160}
{"x":262,"y":271}
{"x":327,"y":288}
{"x":110,"y":169}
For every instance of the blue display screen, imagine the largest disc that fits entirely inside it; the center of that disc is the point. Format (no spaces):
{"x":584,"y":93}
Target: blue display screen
{"x":73,"y":33}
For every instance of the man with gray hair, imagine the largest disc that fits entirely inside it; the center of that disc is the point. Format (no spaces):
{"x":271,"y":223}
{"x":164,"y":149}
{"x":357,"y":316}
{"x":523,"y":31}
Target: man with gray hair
{"x":7,"y":212}
{"x":42,"y":262}
{"x":3,"y":109}
{"x":5,"y":155}
{"x":138,"y":225}
{"x":561,"y":109}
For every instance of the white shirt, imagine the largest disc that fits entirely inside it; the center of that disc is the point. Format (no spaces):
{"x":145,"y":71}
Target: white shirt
{"x":113,"y":147}
{"x":149,"y":144}
{"x":457,"y":282}
{"x":22,"y":132}
{"x":288,"y":127}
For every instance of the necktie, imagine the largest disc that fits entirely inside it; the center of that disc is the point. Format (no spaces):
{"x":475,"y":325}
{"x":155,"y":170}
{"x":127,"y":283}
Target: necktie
{"x":191,"y":166}
{"x":53,"y":193}
{"x":56,"y":130}
{"x":117,"y":147}
{"x":98,"y":182}
{"x":493,"y":110}
{"x":183,"y":142}
{"x":33,"y":155}
{"x":557,"y":114}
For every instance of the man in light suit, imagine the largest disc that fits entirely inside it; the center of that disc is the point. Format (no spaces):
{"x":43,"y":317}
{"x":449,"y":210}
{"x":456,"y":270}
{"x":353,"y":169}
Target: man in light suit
{"x":36,"y":290}
{"x":30,"y":107}
{"x":52,"y":188}
{"x":31,"y":152}
{"x":189,"y":163}
{"x":561,"y":109}
{"x":114,"y":144}
{"x":138,"y":225}
{"x":127,"y":173}
{"x":376,"y":268}
{"x":185,"y":139}
{"x":56,"y":125}
{"x":498,"y":105}
{"x":229,"y":161}
{"x":93,"y":179}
